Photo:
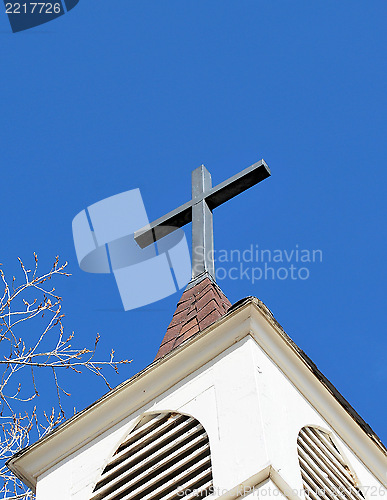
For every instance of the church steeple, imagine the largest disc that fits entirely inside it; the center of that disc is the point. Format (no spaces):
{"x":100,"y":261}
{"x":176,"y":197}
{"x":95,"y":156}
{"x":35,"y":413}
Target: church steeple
{"x":231,"y":407}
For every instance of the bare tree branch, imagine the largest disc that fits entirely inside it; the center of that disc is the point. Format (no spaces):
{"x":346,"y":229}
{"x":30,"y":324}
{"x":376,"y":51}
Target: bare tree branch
{"x":22,"y":355}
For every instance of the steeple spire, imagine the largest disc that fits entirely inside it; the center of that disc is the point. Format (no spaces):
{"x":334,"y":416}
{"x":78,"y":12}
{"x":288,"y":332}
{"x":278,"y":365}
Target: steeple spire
{"x":199,"y":307}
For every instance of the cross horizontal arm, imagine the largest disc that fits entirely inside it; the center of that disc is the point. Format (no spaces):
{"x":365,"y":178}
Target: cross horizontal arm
{"x":164,"y":225}
{"x":214,"y":197}
{"x":237,"y":184}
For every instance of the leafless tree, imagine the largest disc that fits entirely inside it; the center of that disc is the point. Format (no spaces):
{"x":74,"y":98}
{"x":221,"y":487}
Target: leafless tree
{"x":24,"y":354}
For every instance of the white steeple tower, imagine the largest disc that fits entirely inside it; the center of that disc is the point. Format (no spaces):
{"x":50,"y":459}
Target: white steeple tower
{"x":230,"y":408}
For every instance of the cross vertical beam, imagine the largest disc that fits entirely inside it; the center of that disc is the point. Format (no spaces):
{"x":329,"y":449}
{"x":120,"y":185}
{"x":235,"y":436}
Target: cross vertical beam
{"x":202,"y":228}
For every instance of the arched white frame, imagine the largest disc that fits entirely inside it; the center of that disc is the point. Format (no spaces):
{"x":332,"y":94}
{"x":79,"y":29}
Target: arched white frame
{"x":324,"y":469}
{"x":166,"y":456}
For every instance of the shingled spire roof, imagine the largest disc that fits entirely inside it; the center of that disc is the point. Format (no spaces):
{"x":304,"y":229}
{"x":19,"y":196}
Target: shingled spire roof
{"x":201,"y":305}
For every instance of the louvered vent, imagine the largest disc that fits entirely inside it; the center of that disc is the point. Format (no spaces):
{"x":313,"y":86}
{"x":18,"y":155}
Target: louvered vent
{"x":165,"y":457}
{"x":324,"y":472}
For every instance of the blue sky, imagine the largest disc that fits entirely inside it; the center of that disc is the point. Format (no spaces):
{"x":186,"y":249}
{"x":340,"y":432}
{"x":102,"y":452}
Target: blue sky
{"x":122,"y":95}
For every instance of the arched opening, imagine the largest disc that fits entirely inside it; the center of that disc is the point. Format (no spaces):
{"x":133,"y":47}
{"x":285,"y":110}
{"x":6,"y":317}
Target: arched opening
{"x":324,"y":470}
{"x":165,"y":457}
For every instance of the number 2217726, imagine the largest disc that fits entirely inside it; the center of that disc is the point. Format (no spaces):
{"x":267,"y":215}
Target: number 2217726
{"x":33,"y":8}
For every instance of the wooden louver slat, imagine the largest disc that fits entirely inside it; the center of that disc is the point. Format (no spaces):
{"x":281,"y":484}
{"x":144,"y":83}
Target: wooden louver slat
{"x":323,"y":469}
{"x":166,"y":457}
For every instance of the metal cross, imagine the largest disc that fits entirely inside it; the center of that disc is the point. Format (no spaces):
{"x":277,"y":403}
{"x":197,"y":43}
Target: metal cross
{"x":199,"y":210}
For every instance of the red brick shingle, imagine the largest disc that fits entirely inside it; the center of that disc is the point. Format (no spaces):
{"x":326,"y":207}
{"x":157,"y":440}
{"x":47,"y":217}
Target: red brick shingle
{"x":198,"y":308}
